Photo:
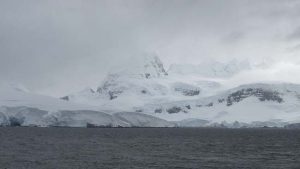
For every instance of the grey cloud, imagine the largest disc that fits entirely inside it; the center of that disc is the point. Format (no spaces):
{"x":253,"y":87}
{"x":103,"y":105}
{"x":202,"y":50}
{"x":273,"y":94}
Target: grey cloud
{"x":295,"y":35}
{"x":234,"y":37}
{"x":59,"y":46}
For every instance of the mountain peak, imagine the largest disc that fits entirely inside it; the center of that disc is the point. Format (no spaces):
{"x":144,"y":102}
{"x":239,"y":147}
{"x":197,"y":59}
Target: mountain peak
{"x":153,"y":67}
{"x":142,"y":66}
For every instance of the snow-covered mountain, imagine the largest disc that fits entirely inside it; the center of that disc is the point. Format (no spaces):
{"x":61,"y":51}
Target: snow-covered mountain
{"x":193,"y":95}
{"x":20,"y":107}
{"x":127,"y":91}
{"x":251,"y":103}
{"x":147,"y":95}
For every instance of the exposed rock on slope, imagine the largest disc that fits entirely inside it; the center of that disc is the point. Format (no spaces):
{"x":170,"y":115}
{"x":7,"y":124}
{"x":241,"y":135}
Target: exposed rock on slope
{"x":149,"y":97}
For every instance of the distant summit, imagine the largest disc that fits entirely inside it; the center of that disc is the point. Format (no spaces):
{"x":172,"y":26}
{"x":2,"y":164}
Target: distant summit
{"x":144,"y":66}
{"x":153,"y":67}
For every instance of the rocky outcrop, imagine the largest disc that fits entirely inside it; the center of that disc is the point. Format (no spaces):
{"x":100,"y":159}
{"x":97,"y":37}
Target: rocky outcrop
{"x":154,"y":67}
{"x":186,"y":89}
{"x":261,"y":94}
{"x":188,"y":92}
{"x":174,"y":109}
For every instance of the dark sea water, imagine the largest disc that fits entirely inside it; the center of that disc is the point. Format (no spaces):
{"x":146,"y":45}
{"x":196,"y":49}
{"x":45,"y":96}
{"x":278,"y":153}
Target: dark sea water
{"x":87,"y":148}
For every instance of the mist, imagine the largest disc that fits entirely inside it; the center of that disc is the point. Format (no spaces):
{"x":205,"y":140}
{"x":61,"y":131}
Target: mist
{"x":57,"y":47}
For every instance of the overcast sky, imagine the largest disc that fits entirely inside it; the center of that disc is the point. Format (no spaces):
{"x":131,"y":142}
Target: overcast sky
{"x":59,"y":46}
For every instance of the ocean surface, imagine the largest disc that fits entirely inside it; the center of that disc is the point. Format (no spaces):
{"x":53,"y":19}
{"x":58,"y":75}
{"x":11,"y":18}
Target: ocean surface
{"x":165,"y":148}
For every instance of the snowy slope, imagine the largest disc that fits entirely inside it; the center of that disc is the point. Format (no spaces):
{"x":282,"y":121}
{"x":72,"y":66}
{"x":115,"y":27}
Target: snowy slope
{"x":276,"y":103}
{"x":20,"y":107}
{"x":126,"y":90}
{"x":192,"y":95}
{"x":13,"y":97}
{"x":148,"y":96}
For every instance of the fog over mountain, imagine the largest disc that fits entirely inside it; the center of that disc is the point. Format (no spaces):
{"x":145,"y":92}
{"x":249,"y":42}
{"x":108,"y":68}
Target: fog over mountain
{"x":58,"y":47}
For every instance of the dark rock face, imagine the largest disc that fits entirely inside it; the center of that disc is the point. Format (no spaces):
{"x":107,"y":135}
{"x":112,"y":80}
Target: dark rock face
{"x":157,"y":64}
{"x":174,"y":109}
{"x":188,"y":92}
{"x":221,"y":100}
{"x":114,"y":94}
{"x":65,"y":98}
{"x":89,"y":125}
{"x":210,"y":104}
{"x":147,"y":75}
{"x":188,"y":106}
{"x":14,"y":121}
{"x":158,"y":110}
{"x":293,"y":126}
{"x":139,"y":110}
{"x":261,"y":94}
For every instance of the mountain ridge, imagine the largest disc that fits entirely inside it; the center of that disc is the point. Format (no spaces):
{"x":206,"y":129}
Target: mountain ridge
{"x":150,"y":96}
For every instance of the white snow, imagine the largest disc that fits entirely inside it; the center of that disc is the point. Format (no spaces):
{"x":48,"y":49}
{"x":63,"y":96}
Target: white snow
{"x":29,"y":109}
{"x":149,"y":96}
